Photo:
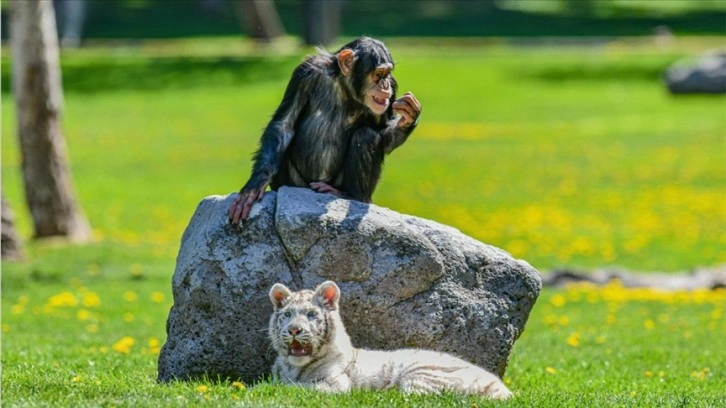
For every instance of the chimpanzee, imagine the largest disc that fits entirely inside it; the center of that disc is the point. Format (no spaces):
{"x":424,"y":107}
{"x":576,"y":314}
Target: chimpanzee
{"x":337,"y":120}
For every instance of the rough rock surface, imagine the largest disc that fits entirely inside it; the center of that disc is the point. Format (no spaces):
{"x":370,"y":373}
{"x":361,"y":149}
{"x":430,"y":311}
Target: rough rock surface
{"x":706,"y":76}
{"x":405,"y":281}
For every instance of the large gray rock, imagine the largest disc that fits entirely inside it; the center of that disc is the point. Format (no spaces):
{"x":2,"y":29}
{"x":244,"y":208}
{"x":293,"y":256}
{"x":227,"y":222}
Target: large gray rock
{"x":707,"y":75}
{"x":405,"y":281}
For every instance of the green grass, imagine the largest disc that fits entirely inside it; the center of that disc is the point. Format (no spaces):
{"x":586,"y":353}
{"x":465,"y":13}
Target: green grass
{"x":51,"y":359}
{"x":571,"y":156}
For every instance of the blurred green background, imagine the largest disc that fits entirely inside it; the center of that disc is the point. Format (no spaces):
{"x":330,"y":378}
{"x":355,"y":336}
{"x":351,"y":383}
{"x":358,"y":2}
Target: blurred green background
{"x":547,"y":131}
{"x":144,"y":19}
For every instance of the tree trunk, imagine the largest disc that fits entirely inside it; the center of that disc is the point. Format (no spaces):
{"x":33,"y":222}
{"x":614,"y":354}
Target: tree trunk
{"x":259,"y":19}
{"x":39,"y":97}
{"x":321,"y":21}
{"x":11,"y":246}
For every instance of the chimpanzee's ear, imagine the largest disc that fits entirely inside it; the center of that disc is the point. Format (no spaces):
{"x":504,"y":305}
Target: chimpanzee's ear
{"x":328,"y":295}
{"x":346,"y":59}
{"x":278,"y":294}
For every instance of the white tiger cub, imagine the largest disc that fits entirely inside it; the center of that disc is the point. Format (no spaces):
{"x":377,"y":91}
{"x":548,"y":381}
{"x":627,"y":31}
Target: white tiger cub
{"x":314,"y":350}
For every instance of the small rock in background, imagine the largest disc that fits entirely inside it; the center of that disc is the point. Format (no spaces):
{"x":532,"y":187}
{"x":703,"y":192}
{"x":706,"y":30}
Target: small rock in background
{"x":707,"y":75}
{"x":700,"y":278}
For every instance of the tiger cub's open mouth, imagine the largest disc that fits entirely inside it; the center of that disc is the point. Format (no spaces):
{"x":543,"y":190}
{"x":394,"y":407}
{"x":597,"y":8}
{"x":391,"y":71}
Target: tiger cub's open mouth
{"x":298,"y":349}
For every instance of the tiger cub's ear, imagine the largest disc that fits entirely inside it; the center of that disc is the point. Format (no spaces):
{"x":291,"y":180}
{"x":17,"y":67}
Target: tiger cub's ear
{"x":328,"y":295}
{"x":278,"y":295}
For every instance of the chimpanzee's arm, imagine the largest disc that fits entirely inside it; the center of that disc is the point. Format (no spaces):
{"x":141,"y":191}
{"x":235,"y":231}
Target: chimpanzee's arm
{"x":394,"y":135}
{"x":273,"y":143}
{"x":278,"y":133}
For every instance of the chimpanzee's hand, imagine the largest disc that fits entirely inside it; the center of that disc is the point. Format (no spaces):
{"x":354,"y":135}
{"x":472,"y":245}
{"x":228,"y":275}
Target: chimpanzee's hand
{"x":240,"y":208}
{"x":409,"y":108}
{"x":323,"y":187}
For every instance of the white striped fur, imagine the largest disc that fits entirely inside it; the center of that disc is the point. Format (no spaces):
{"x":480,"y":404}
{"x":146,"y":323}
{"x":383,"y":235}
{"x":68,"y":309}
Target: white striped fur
{"x":315,"y":351}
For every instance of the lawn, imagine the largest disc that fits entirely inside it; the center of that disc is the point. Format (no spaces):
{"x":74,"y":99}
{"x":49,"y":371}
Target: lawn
{"x":569,"y":156}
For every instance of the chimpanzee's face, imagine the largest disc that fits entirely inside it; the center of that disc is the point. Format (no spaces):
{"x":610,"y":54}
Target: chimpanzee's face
{"x":378,"y":89}
{"x":368,"y":65}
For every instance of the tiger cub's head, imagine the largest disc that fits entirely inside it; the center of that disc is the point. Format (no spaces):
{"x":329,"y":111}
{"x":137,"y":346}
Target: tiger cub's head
{"x":301,"y":323}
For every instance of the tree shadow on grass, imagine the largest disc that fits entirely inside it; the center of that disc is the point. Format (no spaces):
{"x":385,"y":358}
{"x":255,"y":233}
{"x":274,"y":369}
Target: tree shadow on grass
{"x":112,"y":74}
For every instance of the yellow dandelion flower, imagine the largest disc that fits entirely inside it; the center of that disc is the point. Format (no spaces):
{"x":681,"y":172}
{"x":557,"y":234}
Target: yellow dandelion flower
{"x":17,"y":309}
{"x":6,"y":328}
{"x":157,"y":297}
{"x":76,"y":379}
{"x":128,"y":317}
{"x":202,"y":389}
{"x":661,"y":373}
{"x":573,"y":339}
{"x":92,"y":328}
{"x":124,"y":345}
{"x":63,"y":299}
{"x":610,"y":319}
{"x":239,"y":385}
{"x":154,"y":345}
{"x":649,"y":324}
{"x":600,"y":339}
{"x":633,"y":394}
{"x":91,"y":299}
{"x":83,"y":314}
{"x":563,"y":320}
{"x":558,"y":300}
{"x":550,"y":370}
{"x":648,"y":373}
{"x":130,"y":296}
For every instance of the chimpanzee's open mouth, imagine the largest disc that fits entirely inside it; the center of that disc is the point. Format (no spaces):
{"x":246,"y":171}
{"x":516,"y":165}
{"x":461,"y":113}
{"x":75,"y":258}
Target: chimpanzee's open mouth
{"x":298,"y":349}
{"x":382,"y":102}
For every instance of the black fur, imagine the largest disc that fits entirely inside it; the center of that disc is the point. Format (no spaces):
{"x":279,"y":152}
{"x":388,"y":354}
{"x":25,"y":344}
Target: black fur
{"x":322,"y":131}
